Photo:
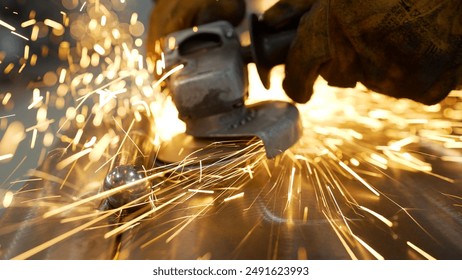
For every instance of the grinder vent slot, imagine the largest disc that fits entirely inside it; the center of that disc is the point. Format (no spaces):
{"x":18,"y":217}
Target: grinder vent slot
{"x":201,"y":42}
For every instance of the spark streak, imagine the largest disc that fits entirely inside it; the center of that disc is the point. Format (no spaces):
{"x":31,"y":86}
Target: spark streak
{"x":190,"y":220}
{"x":139,"y":218}
{"x":90,"y":143}
{"x":53,"y":24}
{"x":369,"y":248}
{"x":83,"y":5}
{"x":7,"y":156}
{"x":28,"y":23}
{"x":59,"y":238}
{"x":166,"y":75}
{"x":62,"y":164}
{"x":6,"y":25}
{"x":37,"y":98}
{"x":420,"y":251}
{"x":7,"y":116}
{"x":359,"y":178}
{"x":26,"y":180}
{"x":97,"y":196}
{"x":19,"y":35}
{"x":39,"y":125}
{"x":34,"y":138}
{"x":236,"y":196}
{"x":378,"y":216}
{"x":291,"y":185}
{"x":201,"y":191}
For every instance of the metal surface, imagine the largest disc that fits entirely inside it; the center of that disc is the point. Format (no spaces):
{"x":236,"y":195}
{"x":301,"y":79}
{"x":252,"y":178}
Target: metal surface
{"x":287,"y":208}
{"x":268,"y":222}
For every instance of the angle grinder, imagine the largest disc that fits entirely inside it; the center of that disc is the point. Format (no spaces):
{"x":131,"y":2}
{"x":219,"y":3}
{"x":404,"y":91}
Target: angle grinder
{"x":210,"y":91}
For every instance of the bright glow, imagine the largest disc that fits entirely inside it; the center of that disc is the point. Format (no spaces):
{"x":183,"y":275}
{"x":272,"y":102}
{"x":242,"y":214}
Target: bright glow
{"x":8,"y":199}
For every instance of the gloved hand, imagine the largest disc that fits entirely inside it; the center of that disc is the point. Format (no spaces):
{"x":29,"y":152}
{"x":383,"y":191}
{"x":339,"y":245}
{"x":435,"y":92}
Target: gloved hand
{"x":172,"y":15}
{"x":401,"y":48}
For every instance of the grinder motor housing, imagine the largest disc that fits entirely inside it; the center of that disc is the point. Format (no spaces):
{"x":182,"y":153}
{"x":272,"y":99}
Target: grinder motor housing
{"x":214,"y":79}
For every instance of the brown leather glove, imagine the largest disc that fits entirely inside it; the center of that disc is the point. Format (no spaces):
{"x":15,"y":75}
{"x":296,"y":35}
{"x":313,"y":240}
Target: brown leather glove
{"x":173,"y":15}
{"x":401,"y":48}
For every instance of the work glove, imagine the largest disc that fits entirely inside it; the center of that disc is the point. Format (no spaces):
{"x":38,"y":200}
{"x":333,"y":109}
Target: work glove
{"x":401,"y":48}
{"x":172,"y":15}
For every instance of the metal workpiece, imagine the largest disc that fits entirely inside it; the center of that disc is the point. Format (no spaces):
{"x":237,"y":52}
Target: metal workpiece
{"x":131,"y":164}
{"x":123,"y":175}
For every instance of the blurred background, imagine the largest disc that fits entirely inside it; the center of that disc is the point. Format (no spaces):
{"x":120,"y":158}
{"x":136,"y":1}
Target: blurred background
{"x":33,"y":57}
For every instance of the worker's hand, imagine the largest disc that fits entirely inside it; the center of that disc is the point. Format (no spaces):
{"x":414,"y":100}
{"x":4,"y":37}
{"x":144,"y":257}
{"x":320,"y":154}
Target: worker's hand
{"x":410,"y":49}
{"x":172,"y":15}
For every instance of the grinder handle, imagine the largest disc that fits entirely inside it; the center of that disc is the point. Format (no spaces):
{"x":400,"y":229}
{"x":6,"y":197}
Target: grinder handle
{"x":268,"y":47}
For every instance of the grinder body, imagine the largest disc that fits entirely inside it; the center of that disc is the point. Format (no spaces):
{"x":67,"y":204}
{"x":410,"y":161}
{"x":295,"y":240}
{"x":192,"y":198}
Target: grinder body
{"x":214,"y":79}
